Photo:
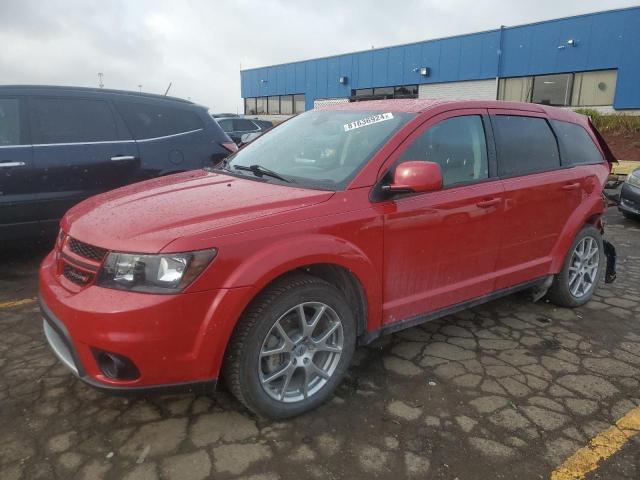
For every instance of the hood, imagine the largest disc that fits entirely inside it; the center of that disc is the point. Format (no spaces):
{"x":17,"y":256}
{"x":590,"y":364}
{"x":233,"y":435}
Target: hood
{"x":146,"y":216}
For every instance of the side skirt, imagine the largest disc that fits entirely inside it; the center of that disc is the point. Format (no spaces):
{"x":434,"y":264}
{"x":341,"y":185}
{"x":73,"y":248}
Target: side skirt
{"x":369,"y":337}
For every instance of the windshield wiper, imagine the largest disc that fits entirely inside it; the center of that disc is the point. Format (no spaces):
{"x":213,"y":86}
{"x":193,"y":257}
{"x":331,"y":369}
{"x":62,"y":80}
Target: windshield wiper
{"x":259,"y":171}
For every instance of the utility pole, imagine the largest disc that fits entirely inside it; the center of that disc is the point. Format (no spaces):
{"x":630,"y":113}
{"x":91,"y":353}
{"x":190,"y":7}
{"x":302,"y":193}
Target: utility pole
{"x":140,"y":88}
{"x":100,"y":82}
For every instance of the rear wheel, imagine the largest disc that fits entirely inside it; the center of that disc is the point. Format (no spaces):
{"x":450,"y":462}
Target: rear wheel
{"x":291,"y":348}
{"x":581,"y":272}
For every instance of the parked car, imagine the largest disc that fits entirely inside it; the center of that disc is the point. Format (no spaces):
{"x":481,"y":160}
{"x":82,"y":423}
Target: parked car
{"x":341,"y":225}
{"x":60,"y":145}
{"x":236,"y":127}
{"x":629,"y":203}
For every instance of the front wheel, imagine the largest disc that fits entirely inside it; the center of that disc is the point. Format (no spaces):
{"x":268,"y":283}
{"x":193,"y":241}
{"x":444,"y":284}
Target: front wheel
{"x":291,"y":348}
{"x":581,"y":272}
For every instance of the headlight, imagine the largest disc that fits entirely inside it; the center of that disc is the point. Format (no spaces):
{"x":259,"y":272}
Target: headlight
{"x":634,"y":178}
{"x":164,"y":273}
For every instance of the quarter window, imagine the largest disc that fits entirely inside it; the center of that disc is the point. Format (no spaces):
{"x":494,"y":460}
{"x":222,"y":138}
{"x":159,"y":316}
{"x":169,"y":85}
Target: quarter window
{"x":9,"y":121}
{"x":458,"y":145}
{"x":153,"y":121}
{"x":576,"y":144}
{"x":72,"y":120}
{"x":524,"y":145}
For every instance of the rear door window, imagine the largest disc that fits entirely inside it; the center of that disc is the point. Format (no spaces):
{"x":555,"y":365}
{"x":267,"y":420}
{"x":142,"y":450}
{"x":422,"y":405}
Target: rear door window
{"x":152,"y":121}
{"x":9,"y":121}
{"x":458,"y":145}
{"x":72,"y":120}
{"x":576,"y":145}
{"x":524,"y":145}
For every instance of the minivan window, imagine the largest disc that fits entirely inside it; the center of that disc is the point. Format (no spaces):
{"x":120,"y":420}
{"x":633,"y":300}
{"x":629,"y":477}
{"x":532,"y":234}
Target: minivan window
{"x":152,"y":121}
{"x":576,"y":145}
{"x":458,"y":145}
{"x":9,"y":121}
{"x":72,"y":120}
{"x":321,"y":149}
{"x":243,"y":125}
{"x":524,"y":145}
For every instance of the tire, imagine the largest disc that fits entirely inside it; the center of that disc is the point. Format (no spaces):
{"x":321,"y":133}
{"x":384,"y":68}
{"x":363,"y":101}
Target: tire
{"x":249,"y":363}
{"x":563,"y":291}
{"x":631,"y":216}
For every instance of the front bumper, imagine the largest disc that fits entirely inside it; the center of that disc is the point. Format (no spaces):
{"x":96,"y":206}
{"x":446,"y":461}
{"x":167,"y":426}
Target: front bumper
{"x":62,"y":346}
{"x":176,"y":342}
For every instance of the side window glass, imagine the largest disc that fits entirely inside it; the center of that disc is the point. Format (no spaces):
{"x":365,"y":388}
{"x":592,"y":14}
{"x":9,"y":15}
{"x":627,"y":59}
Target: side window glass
{"x":458,"y":145}
{"x":147,"y":120}
{"x":226,"y":125}
{"x":524,"y":145}
{"x":243,"y":125}
{"x":72,"y":120}
{"x":576,"y":144}
{"x":9,"y":121}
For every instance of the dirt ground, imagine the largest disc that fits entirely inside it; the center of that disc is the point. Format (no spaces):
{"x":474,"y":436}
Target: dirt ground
{"x":624,"y":147}
{"x":507,"y":390}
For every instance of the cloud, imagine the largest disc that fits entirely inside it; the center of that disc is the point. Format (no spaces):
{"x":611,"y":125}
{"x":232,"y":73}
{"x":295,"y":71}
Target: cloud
{"x":199,"y":45}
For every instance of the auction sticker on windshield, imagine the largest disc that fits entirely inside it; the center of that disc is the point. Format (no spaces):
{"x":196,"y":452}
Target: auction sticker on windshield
{"x":363,"y":122}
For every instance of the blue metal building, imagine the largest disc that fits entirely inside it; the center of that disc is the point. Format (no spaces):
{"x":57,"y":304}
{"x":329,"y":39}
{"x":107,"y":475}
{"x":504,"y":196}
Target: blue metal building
{"x":590,"y":60}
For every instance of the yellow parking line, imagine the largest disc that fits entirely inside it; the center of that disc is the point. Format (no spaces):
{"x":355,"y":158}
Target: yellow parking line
{"x":601,"y":447}
{"x":17,"y":303}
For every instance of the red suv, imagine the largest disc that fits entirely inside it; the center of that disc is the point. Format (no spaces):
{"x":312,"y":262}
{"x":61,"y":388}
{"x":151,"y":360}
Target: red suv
{"x":337,"y":226}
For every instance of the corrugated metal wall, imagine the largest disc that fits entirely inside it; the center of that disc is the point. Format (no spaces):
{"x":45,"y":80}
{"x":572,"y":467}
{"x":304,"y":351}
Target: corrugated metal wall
{"x":604,"y":40}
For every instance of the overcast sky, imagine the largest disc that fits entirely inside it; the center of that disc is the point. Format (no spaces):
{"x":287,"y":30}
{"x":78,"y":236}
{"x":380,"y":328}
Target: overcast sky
{"x":199,"y":45}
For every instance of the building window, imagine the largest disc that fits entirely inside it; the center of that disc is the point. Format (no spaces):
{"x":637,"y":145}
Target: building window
{"x":286,"y":105}
{"x":378,"y":93}
{"x":273,"y":105}
{"x":406,"y":91}
{"x":299,"y":104}
{"x":591,"y":89}
{"x":515,"y":89}
{"x":363,"y":92}
{"x":552,"y":89}
{"x":581,"y":89}
{"x":384,"y":91}
{"x":250,"y":106}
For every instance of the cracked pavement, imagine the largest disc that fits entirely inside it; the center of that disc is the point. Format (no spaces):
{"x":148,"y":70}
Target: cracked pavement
{"x":506,"y":390}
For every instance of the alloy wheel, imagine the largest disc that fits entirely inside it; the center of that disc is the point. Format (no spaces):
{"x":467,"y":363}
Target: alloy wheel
{"x":583,"y":270}
{"x":300,"y":352}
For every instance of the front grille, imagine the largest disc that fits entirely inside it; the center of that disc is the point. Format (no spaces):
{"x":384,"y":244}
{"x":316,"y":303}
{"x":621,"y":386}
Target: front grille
{"x":87,"y":251}
{"x":77,"y":276}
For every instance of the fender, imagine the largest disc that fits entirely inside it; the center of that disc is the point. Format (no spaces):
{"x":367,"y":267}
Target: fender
{"x":289,"y":254}
{"x":588,"y":210}
{"x":269,"y":263}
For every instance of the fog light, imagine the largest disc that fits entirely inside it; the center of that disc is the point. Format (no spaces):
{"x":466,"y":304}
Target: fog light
{"x":117,"y":367}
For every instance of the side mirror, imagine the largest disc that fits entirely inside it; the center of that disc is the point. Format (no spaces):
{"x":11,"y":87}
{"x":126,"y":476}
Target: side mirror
{"x":415,"y":177}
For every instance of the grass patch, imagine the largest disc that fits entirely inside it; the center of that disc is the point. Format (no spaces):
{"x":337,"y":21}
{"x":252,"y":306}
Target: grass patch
{"x":614,"y":124}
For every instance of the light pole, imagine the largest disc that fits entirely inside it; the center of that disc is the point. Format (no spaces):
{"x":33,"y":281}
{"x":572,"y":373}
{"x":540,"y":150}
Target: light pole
{"x":100,"y":82}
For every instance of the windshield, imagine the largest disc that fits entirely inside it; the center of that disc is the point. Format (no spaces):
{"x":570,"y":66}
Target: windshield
{"x":318,"y":149}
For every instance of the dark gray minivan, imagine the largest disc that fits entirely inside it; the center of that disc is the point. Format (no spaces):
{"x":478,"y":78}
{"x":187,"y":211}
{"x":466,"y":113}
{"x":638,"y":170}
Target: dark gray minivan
{"x":60,"y":145}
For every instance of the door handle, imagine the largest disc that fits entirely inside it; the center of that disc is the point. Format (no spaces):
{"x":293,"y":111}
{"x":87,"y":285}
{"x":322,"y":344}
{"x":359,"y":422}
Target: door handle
{"x":571,"y":186}
{"x":122,"y":158}
{"x":12,"y":164}
{"x":488,"y":203}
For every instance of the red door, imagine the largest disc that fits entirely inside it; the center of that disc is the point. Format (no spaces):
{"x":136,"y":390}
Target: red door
{"x":440,"y":248}
{"x":539,"y":195}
